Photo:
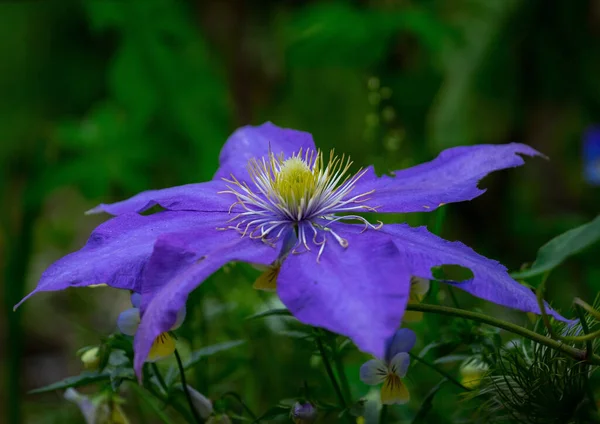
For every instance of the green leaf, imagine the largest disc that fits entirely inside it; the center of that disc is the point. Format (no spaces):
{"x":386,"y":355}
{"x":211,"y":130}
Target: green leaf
{"x":276,"y":412}
{"x":211,"y":350}
{"x":82,"y":379}
{"x":559,"y":248}
{"x":427,"y":404}
{"x":271,"y":313}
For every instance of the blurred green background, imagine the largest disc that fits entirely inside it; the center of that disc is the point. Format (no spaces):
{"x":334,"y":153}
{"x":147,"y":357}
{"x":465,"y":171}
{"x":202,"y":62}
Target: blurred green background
{"x":102,"y":99}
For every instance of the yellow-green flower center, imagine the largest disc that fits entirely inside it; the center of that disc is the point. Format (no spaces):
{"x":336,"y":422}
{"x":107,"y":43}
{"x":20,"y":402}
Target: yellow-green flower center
{"x":302,"y":190}
{"x":295,"y":180}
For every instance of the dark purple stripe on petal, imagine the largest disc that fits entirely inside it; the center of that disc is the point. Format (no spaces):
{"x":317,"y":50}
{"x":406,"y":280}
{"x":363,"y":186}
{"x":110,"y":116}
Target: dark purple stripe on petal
{"x":254,"y":142}
{"x":360,"y":291}
{"x":451,"y":177}
{"x":422,"y":250}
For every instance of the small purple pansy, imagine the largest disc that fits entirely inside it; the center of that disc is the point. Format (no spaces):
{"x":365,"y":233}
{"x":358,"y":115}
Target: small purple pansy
{"x":391,"y":368}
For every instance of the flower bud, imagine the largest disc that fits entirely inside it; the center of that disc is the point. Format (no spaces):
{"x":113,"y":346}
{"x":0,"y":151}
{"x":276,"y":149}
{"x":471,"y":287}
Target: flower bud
{"x":303,"y":413}
{"x":91,"y":358}
{"x":201,"y":403}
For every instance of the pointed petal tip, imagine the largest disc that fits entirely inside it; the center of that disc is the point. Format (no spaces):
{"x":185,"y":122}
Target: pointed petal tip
{"x":525,"y":149}
{"x":23,"y":300}
{"x":94,"y":211}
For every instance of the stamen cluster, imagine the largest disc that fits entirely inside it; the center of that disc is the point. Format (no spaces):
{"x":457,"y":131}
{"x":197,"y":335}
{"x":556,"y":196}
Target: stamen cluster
{"x":296,"y":191}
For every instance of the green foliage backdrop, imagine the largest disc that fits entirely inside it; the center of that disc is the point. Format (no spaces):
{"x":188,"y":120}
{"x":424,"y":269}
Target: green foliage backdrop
{"x":101,"y":99}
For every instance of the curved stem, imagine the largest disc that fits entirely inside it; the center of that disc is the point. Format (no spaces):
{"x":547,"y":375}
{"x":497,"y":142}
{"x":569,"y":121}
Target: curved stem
{"x":241,"y":402}
{"x":197,"y":417}
{"x":330,"y":373}
{"x":569,"y":351}
{"x":160,"y":379}
{"x":589,"y":347}
{"x":540,"y":298}
{"x":587,"y":308}
{"x":383,"y":414}
{"x":440,"y":371}
{"x":339,"y":366}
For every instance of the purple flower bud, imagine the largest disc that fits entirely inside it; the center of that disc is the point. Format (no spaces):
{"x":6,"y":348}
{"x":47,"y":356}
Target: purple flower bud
{"x":303,"y":413}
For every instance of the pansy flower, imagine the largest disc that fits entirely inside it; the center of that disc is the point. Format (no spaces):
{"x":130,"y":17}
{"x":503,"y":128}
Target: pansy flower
{"x":278,"y":201}
{"x":591,"y":155}
{"x":101,"y":409}
{"x":391,"y":369}
{"x":303,"y":413}
{"x":164,"y":344}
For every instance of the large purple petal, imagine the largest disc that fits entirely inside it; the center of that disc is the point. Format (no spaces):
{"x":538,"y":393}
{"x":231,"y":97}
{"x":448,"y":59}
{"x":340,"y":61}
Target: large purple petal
{"x":118,"y":249}
{"x":202,"y":197}
{"x":451,"y":177}
{"x":255,"y":142}
{"x":360,"y":292}
{"x":179,"y":264}
{"x":422,"y":250}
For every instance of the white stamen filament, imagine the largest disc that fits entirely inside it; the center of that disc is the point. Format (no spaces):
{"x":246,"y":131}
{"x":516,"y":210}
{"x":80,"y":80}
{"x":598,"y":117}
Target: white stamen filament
{"x":300,"y":191}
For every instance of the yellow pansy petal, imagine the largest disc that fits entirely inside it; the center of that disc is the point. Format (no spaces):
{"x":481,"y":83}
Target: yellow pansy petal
{"x":267,"y":281}
{"x":117,"y":416}
{"x":163,"y":346}
{"x":394,"y":391}
{"x":418,"y":289}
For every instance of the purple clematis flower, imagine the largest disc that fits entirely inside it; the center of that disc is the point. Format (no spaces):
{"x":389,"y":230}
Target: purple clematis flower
{"x":276,"y":201}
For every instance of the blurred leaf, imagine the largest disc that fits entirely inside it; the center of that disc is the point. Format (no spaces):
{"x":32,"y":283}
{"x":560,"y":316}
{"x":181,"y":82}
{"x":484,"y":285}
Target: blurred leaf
{"x":458,"y":116}
{"x":105,"y":14}
{"x":427,"y":404}
{"x":559,"y":248}
{"x":451,"y":358}
{"x":338,"y":33}
{"x":120,"y":374}
{"x":275,"y":412}
{"x":199,"y":354}
{"x":271,"y":313}
{"x":82,"y":379}
{"x":130,"y":86}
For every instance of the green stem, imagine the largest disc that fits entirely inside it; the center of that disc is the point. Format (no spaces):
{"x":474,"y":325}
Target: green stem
{"x":453,"y":296}
{"x":584,"y":326}
{"x":383,"y":414}
{"x":589,"y":348}
{"x":160,"y":379}
{"x":241,"y":402}
{"x":339,"y":367}
{"x":586,"y":338}
{"x":330,"y":373}
{"x":540,"y":299}
{"x":569,"y":351}
{"x":587,"y":308}
{"x":440,"y":216}
{"x":197,"y":417}
{"x":142,"y":394}
{"x":439,"y":371}
{"x":147,"y":384}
